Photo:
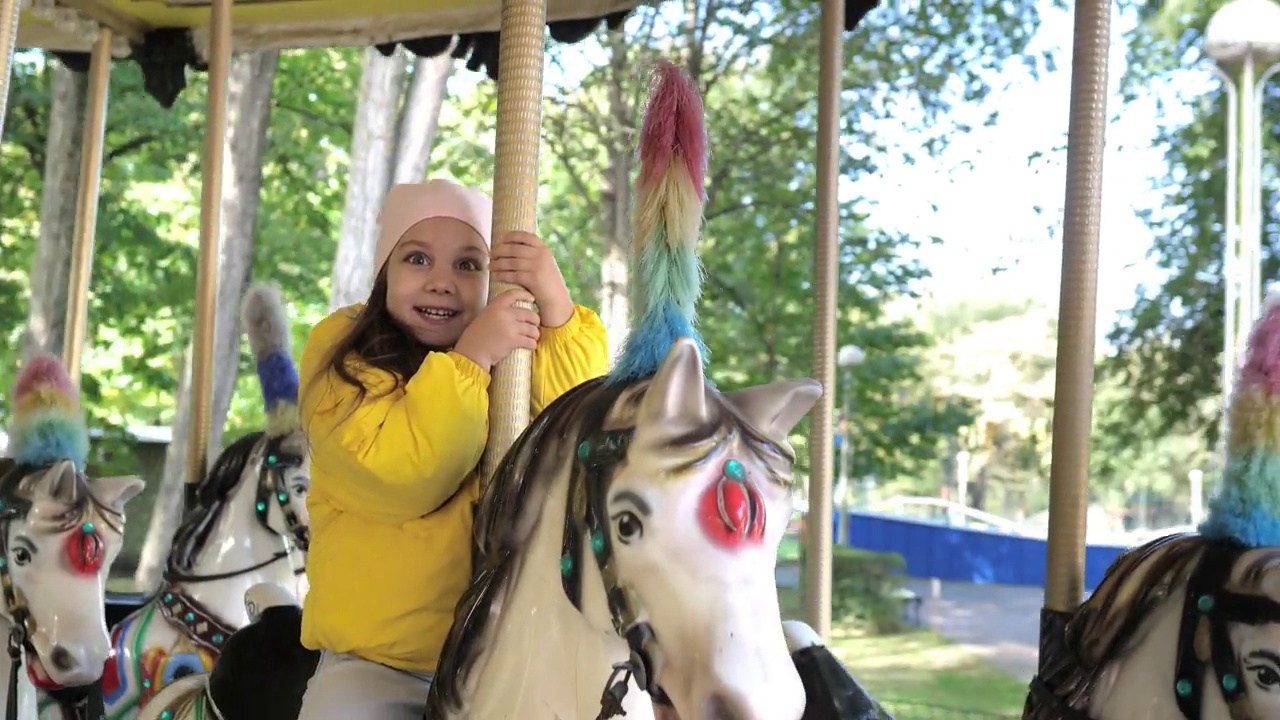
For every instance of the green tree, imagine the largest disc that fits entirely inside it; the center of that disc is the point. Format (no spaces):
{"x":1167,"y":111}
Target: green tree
{"x":1169,"y":345}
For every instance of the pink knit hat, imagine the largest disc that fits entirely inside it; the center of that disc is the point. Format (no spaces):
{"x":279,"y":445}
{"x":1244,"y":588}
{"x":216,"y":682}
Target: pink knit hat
{"x":408,"y":204}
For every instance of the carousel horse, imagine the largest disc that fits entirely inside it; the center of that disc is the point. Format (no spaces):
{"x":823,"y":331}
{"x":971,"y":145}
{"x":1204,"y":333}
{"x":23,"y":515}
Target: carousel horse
{"x":60,"y":531}
{"x":244,"y":525}
{"x":1188,"y":625}
{"x":627,"y":542}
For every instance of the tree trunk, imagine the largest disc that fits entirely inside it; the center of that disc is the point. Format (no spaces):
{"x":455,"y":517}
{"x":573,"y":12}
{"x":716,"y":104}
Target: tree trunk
{"x":51,"y":268}
{"x":614,"y":272}
{"x":373,"y":139}
{"x":420,"y":118}
{"x":248,"y":116}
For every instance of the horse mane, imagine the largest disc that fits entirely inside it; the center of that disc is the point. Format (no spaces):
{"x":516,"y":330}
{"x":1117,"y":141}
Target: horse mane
{"x":513,"y":500}
{"x":1107,"y":625}
{"x":206,"y":503}
{"x":15,"y":484}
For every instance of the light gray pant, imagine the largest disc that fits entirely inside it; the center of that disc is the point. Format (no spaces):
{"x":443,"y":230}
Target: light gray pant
{"x":346,"y":687}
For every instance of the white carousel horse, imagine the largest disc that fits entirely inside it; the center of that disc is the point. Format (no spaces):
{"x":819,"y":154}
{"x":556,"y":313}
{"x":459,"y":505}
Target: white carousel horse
{"x":60,"y":531}
{"x":627,"y":543}
{"x":1188,"y":625}
{"x":245,"y":524}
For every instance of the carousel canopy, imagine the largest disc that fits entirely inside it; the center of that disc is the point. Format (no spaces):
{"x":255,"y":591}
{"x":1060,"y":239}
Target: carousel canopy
{"x":167,"y":36}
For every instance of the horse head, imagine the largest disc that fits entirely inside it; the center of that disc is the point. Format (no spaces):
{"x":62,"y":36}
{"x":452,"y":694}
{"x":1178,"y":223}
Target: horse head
{"x":1190,"y":624}
{"x":695,"y":510}
{"x":60,"y":532}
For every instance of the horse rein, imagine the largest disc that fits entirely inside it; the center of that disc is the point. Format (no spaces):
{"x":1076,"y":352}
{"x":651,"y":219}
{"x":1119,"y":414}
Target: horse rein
{"x":585,"y":511}
{"x":76,"y":703}
{"x":1207,"y":612}
{"x":271,"y":481}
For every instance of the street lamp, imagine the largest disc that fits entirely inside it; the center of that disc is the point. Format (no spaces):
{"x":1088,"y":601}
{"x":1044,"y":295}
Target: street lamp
{"x":846,"y":358}
{"x":1243,"y":40}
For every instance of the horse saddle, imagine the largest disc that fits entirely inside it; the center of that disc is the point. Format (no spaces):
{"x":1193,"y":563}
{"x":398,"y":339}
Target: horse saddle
{"x":830,"y":691}
{"x":264,"y":669}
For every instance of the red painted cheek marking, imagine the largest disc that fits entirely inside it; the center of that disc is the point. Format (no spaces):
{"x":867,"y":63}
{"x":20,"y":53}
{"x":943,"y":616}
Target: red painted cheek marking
{"x":85,"y":550}
{"x":731,"y":510}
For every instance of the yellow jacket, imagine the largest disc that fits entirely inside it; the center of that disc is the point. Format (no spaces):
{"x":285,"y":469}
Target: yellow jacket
{"x":393,"y":489}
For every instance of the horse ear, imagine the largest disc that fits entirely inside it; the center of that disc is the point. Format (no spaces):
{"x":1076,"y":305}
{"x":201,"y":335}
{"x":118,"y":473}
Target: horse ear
{"x":116,"y":492}
{"x":774,"y":409}
{"x":677,"y":397}
{"x":58,"y":482}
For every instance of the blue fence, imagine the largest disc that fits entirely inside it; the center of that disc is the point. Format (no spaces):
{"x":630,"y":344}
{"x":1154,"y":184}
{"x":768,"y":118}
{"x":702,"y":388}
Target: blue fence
{"x":963,"y":554}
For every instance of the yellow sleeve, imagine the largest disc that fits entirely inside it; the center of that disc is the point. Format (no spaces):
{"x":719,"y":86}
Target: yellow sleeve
{"x":398,"y":456}
{"x":568,"y":356}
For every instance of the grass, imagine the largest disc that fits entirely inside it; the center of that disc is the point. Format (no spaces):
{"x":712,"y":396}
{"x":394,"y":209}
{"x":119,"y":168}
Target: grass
{"x":919,"y":675}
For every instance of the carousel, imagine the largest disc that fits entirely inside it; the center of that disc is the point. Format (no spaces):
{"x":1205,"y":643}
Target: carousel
{"x":1179,"y":627}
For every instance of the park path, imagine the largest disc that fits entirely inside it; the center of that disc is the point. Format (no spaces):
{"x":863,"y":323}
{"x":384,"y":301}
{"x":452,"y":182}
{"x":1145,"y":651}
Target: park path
{"x":1001,"y":623}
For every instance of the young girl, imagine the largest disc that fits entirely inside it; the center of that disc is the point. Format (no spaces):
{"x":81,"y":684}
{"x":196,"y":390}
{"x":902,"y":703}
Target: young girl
{"x":396,"y":406}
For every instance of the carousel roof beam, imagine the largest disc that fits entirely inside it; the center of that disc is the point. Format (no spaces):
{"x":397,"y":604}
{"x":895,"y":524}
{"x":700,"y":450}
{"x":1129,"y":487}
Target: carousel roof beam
{"x":126,"y":26}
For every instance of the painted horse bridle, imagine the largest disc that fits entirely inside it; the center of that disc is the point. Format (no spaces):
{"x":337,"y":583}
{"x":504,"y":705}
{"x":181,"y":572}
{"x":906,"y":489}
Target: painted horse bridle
{"x":1208,"y":612}
{"x":599,"y":454}
{"x":86,"y":551}
{"x":271,"y":482}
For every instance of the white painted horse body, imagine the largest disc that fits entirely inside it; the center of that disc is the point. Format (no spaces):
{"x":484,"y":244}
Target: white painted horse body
{"x":240,"y":534}
{"x":1132,"y":658}
{"x":247,"y":524}
{"x":689,"y":508}
{"x":60,"y":532}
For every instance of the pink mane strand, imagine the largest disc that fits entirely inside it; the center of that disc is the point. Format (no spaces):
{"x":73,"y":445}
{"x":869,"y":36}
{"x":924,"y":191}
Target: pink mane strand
{"x":44,"y":370}
{"x":1262,"y":356}
{"x":673,"y":126}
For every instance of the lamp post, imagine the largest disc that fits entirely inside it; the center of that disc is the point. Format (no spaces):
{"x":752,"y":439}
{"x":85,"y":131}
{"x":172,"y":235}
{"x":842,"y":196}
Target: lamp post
{"x":846,"y":358}
{"x":1243,"y":40}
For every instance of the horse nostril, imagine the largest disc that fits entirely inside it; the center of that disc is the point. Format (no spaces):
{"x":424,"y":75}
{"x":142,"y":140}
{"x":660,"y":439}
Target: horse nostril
{"x":720,"y":707}
{"x":62,"y":659}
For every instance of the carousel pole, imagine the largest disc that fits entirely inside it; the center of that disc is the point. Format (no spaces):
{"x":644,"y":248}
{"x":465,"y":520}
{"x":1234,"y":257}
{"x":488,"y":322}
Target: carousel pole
{"x":95,"y":127}
{"x":1077,"y":314}
{"x":515,"y":199}
{"x":8,"y":43}
{"x":827,"y":266}
{"x":210,"y":239}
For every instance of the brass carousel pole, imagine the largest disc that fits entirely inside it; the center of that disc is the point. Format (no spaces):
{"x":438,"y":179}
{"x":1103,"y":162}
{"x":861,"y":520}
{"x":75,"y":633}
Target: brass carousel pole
{"x":827,"y":265}
{"x":8,"y":43}
{"x":515,"y":199}
{"x":210,"y":238}
{"x":1077,"y":313}
{"x":95,"y":127}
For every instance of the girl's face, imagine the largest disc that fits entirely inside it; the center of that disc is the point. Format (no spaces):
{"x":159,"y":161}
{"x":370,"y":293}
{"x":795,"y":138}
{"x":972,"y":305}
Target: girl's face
{"x":437,"y":280}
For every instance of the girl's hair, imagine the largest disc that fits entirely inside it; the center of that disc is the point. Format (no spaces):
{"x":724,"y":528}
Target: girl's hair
{"x":379,"y":341}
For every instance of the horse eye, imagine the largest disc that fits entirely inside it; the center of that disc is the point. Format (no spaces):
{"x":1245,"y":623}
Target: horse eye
{"x":628,"y":526}
{"x":1267,"y":677}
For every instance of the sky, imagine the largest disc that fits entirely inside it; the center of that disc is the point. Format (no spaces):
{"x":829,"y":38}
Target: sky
{"x":985,"y":188}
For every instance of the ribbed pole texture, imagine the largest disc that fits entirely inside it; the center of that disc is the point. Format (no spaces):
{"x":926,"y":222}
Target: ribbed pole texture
{"x":210,"y":234}
{"x":826,"y":266}
{"x":515,"y":199}
{"x":8,"y":41}
{"x":1077,"y":313}
{"x":95,"y":126}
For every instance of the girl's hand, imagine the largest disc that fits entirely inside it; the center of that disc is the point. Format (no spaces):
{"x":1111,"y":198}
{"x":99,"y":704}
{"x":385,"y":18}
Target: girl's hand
{"x":522,"y":259}
{"x":500,"y":328}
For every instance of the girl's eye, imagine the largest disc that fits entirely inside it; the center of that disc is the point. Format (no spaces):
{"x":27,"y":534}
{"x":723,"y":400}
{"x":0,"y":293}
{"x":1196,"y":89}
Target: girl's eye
{"x":416,"y":258}
{"x":470,"y":265}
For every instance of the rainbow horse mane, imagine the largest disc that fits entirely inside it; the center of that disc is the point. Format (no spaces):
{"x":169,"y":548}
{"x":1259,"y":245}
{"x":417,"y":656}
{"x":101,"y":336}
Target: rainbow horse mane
{"x":267,"y":325}
{"x":48,"y":424}
{"x":669,"y":199}
{"x":1247,"y":510}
